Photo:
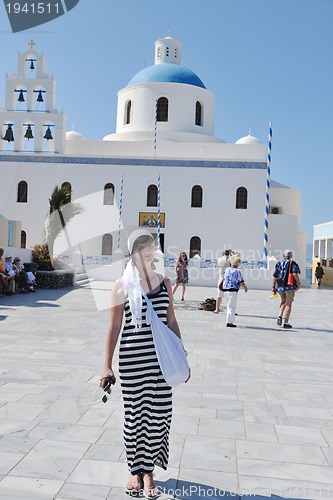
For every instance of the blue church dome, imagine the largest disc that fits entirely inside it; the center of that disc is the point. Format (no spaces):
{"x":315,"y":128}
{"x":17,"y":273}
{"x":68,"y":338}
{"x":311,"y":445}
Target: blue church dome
{"x":166,"y":73}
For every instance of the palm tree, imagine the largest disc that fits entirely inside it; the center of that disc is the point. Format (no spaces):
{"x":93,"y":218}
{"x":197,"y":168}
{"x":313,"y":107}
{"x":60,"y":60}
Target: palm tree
{"x":61,"y":211}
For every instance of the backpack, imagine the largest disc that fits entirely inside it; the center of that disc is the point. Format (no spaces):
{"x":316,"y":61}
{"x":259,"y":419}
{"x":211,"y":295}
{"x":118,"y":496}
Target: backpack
{"x":208,"y":305}
{"x":281,"y":275}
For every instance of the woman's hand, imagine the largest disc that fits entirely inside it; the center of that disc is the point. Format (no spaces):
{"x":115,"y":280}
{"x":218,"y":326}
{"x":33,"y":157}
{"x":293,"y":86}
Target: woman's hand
{"x":106,"y":373}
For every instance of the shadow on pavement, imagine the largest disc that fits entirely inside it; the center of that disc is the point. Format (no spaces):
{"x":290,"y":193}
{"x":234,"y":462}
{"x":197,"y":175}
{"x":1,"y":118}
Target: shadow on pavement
{"x":186,"y":490}
{"x":40,"y":298}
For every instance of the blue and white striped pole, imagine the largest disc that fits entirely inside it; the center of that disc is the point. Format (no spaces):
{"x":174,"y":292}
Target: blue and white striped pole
{"x":268,"y":185}
{"x":158,"y":210}
{"x":120,"y":208}
{"x":155,"y":129}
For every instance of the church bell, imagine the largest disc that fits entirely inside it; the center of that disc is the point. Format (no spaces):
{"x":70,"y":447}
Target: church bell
{"x":40,"y":97}
{"x":9,"y":135}
{"x":21,"y":97}
{"x":28,"y":134}
{"x":48,"y":134}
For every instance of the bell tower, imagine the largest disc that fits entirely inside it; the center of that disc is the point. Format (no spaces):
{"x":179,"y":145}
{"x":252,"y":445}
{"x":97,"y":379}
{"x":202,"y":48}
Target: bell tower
{"x":168,"y":50}
{"x":30,"y":121}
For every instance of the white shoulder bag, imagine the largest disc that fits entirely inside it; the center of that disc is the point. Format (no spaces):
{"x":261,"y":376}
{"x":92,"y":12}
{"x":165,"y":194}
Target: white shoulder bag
{"x":170,"y":351}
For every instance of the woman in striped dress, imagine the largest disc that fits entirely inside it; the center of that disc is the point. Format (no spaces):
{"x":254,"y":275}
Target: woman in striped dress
{"x":147,"y":397}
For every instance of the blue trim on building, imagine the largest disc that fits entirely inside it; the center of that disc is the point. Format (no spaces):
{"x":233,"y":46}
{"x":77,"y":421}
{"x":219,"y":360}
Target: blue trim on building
{"x":138,"y":162}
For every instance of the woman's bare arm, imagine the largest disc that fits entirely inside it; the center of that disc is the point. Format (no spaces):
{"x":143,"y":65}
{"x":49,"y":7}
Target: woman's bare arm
{"x":171,"y":317}
{"x":116,"y":319}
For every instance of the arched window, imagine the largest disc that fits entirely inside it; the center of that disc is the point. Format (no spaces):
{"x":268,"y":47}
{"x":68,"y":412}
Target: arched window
{"x":196,"y":198}
{"x":198,"y":114}
{"x":107,"y":244}
{"x":23,"y":239}
{"x":152,"y":196}
{"x":241,"y":197}
{"x":162,"y":109}
{"x":68,"y":187}
{"x":109,"y":194}
{"x":128,"y":112}
{"x":195,"y":246}
{"x":22,"y":192}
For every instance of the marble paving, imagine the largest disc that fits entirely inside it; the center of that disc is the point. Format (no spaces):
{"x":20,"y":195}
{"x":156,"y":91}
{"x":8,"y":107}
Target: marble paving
{"x":254,"y":422}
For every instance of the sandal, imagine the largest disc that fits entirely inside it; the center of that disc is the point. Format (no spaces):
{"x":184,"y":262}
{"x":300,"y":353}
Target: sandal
{"x":150,"y":492}
{"x":134,"y":487}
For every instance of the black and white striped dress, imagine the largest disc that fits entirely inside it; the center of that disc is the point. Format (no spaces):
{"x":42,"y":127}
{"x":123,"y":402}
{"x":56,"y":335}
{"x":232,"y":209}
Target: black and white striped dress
{"x":147,"y":397}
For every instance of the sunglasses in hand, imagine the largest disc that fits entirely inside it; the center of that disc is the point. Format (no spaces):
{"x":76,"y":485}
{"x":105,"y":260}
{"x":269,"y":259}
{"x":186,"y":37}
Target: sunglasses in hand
{"x":110,"y":380}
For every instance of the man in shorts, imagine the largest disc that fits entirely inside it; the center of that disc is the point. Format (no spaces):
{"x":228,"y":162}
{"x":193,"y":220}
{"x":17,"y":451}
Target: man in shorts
{"x":286,"y":282}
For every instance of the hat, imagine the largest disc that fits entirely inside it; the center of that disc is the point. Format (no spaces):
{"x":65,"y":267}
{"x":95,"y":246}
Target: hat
{"x":135,"y":235}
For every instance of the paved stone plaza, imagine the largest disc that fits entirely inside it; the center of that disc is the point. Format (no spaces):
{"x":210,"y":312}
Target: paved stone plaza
{"x":256,"y":417}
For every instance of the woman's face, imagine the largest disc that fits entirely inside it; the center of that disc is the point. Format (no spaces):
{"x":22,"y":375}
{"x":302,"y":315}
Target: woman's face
{"x":145,"y":252}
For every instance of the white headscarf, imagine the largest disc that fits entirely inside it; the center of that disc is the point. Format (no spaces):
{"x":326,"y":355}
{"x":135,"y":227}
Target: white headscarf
{"x":130,"y":282}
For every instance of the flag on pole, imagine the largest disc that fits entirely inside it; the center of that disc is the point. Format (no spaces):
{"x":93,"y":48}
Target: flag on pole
{"x":120,"y":208}
{"x":158,"y":210}
{"x":155,"y":128}
{"x":268,"y":185}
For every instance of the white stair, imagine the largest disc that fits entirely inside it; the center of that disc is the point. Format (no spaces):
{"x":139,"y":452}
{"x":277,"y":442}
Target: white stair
{"x":82,"y":278}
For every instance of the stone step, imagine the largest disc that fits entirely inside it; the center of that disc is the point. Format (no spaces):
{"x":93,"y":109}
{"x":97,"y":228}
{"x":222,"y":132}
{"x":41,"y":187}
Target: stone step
{"x":82,"y":278}
{"x":84,"y":281}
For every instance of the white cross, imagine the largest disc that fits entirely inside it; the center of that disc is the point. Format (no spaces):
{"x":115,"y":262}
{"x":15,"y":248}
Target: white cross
{"x":31,"y":43}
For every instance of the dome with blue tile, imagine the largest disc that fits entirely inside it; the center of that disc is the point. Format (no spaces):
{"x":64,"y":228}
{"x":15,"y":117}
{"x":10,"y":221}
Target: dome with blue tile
{"x":167,"y":72}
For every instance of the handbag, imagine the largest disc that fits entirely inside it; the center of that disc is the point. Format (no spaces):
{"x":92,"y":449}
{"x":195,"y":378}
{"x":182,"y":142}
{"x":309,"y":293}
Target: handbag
{"x":170,"y":351}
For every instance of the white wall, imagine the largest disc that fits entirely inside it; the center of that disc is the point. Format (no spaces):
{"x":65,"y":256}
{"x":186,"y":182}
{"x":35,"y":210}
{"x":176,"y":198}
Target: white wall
{"x":182,"y":99}
{"x":25,"y":254}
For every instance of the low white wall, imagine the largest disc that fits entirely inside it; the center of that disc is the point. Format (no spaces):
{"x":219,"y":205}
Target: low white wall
{"x":257,"y":278}
{"x":25,"y":254}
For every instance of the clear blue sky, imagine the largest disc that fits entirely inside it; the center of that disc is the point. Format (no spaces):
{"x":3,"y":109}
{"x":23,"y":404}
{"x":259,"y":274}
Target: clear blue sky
{"x":263,"y":59}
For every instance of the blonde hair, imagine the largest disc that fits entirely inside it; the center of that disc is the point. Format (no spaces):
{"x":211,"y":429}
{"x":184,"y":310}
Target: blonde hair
{"x":235,"y":260}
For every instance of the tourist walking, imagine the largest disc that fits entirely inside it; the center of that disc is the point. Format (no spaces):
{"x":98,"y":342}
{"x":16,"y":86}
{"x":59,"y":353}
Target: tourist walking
{"x":223,"y":263}
{"x":319,"y":273}
{"x":286,"y":282}
{"x":181,"y":273}
{"x":232,"y":282}
{"x":146,"y":395}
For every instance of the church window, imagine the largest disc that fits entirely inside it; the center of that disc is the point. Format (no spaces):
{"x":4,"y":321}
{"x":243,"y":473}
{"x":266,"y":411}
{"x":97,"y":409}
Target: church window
{"x":241,"y":197}
{"x":152,"y":196}
{"x":68,"y":187}
{"x":23,"y":239}
{"x":107,"y":244}
{"x":196,"y":198}
{"x":195,"y":246}
{"x":162,"y":109}
{"x":198,"y":114}
{"x":109,"y":194}
{"x":128,"y":112}
{"x":22,"y":192}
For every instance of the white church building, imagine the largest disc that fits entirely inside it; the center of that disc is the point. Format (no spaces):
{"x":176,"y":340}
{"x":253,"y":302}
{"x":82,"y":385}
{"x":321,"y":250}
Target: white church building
{"x":162,"y":163}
